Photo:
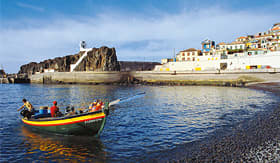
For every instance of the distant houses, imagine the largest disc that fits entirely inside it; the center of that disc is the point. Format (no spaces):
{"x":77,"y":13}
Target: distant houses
{"x":260,"y":43}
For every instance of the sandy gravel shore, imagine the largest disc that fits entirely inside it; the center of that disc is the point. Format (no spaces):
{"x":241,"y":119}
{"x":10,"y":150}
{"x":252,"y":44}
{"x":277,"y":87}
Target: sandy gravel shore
{"x":255,"y":140}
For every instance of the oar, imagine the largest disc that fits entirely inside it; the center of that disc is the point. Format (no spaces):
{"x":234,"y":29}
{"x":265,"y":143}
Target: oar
{"x":124,"y":99}
{"x":114,"y":102}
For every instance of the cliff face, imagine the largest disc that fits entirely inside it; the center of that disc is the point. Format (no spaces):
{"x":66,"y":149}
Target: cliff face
{"x":102,"y":59}
{"x":137,"y":66}
{"x":99,"y":59}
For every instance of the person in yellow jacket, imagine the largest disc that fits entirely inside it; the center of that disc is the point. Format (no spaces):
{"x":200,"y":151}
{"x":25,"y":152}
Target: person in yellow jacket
{"x":30,"y":110}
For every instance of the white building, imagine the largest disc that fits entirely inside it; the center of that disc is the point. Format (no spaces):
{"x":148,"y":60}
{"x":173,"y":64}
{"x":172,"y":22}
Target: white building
{"x":241,"y":39}
{"x":190,"y":54}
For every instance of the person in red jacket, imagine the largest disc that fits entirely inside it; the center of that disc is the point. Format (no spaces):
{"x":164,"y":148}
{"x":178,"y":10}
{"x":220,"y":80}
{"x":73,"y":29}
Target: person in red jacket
{"x":99,"y":105}
{"x":54,"y":109}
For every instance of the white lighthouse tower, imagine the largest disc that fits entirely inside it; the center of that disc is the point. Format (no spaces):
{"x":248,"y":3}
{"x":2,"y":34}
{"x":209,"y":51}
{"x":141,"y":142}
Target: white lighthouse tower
{"x":82,"y":49}
{"x":83,"y":45}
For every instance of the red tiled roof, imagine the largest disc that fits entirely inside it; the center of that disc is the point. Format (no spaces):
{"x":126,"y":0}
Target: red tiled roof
{"x":189,"y":50}
{"x":241,"y":37}
{"x":256,"y":49}
{"x":275,"y":28}
{"x":236,"y":42}
{"x":221,"y":43}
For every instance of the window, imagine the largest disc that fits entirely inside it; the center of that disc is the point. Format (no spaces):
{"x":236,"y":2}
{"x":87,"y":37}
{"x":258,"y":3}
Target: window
{"x":188,"y":54}
{"x":183,"y":54}
{"x":183,"y":58}
{"x":188,"y":59}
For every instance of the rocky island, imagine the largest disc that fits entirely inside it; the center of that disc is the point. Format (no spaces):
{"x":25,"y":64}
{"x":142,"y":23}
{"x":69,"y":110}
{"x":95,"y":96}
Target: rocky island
{"x":89,"y":65}
{"x":98,"y":59}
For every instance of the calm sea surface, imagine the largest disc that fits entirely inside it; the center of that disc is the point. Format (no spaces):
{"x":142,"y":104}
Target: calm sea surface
{"x":136,"y":130}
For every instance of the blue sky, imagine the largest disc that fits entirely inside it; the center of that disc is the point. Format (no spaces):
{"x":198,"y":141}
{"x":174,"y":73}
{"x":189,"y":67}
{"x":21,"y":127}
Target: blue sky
{"x":146,"y":30}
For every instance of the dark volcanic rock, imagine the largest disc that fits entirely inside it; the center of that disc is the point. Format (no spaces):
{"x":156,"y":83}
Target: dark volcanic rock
{"x":99,"y":59}
{"x":137,"y":66}
{"x":102,"y":59}
{"x":2,"y":72}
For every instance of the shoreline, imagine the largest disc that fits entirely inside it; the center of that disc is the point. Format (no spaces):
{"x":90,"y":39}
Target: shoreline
{"x":254,"y":140}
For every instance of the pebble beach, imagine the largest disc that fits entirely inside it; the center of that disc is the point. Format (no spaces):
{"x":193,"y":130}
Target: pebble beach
{"x":254,"y":140}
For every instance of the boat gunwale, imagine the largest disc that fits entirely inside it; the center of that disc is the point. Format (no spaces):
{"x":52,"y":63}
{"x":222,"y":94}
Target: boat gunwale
{"x":64,"y":117}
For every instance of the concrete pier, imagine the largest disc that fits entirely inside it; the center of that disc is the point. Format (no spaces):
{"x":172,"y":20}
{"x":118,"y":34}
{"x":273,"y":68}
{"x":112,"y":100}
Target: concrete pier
{"x":78,"y":77}
{"x":226,"y":78}
{"x":206,"y":77}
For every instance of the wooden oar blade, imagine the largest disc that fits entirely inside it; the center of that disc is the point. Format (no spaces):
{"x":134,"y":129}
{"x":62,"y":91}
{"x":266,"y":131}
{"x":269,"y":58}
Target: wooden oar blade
{"x":114,"y":102}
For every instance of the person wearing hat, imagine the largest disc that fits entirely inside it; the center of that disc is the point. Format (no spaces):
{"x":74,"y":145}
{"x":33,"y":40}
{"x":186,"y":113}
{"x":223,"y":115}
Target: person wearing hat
{"x":54,"y":109}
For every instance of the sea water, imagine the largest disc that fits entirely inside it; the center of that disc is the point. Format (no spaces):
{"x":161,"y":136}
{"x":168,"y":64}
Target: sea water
{"x":138,"y":129}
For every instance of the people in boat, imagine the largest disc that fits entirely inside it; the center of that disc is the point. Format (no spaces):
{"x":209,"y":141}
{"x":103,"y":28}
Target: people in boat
{"x":70,"y":111}
{"x":54,"y":110}
{"x":99,"y":105}
{"x":92,"y":106}
{"x":28,"y":109}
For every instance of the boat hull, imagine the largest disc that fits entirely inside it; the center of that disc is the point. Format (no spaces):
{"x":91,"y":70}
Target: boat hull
{"x":83,"y":124}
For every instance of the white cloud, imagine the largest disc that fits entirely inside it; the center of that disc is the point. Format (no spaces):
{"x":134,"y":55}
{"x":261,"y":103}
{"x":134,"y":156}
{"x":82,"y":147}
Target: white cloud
{"x":28,"y":6}
{"x":132,"y":36}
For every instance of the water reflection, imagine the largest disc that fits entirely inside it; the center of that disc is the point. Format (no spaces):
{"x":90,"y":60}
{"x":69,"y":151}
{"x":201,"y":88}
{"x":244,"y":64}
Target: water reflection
{"x":62,"y":148}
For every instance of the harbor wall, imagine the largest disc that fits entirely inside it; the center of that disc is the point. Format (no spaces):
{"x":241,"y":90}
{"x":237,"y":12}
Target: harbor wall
{"x":218,"y":78}
{"x":240,"y":77}
{"x":78,"y":77}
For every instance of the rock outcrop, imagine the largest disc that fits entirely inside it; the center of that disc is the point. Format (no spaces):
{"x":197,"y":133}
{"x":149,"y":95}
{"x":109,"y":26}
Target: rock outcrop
{"x":98,"y":59}
{"x":102,"y":59}
{"x":137,"y":66}
{"x":2,"y":73}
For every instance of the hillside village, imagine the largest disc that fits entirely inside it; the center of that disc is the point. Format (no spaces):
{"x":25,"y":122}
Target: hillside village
{"x":260,"y":43}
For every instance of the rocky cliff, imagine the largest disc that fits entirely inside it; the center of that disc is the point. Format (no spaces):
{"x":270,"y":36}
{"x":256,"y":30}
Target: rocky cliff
{"x":98,"y":59}
{"x":137,"y":66}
